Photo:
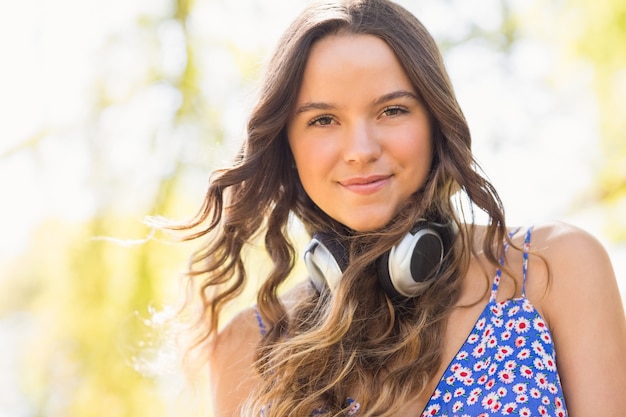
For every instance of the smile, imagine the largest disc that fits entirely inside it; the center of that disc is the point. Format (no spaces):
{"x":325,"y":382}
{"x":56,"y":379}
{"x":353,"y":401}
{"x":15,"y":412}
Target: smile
{"x":365,"y":185}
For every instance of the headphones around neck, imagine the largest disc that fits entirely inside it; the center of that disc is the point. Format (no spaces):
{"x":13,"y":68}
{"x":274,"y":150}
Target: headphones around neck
{"x":404,"y":271}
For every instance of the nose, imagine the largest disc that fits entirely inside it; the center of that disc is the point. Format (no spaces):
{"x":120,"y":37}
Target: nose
{"x":361,"y":144}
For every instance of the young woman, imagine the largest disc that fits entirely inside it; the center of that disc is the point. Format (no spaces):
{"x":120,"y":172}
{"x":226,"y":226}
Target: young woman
{"x":409,"y":308}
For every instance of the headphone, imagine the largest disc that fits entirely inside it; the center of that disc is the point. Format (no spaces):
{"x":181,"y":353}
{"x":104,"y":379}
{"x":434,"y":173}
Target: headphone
{"x":404,"y":271}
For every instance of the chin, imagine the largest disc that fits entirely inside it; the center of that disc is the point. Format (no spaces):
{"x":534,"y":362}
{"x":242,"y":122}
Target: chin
{"x":368,"y":225}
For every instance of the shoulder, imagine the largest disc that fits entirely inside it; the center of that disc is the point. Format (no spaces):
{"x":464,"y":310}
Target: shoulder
{"x":580,"y":299}
{"x":570,"y":260}
{"x":231,"y":362}
{"x":567,"y":263}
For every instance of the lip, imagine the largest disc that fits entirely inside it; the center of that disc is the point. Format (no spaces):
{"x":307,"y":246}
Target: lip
{"x":365,"y":185}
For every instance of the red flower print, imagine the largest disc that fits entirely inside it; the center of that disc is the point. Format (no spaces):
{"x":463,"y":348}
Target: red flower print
{"x":523,"y":354}
{"x":491,"y":402}
{"x":522,"y":325}
{"x":490,"y":384}
{"x":513,"y":311}
{"x":458,"y":406}
{"x":506,"y":376}
{"x":526,"y":371}
{"x":508,"y":408}
{"x":548,"y":361}
{"x":519,"y":388}
{"x":539,"y":324}
{"x":535,"y":393}
{"x":541,"y":380}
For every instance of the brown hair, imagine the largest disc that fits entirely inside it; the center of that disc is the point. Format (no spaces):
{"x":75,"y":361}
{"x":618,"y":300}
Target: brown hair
{"x":356,"y":340}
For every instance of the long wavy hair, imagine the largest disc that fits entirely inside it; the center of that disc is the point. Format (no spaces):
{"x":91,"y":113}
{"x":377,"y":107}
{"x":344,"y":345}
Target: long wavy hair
{"x":356,"y":341}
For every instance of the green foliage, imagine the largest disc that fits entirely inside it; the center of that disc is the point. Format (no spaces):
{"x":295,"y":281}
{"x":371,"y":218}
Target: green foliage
{"x":600,"y":38}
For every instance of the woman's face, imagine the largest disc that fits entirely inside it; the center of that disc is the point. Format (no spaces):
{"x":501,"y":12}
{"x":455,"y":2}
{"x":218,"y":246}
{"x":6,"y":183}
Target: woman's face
{"x":359,"y":134}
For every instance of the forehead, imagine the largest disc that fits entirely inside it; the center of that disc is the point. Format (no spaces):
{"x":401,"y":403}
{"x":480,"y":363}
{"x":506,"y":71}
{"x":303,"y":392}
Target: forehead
{"x":355,"y":62}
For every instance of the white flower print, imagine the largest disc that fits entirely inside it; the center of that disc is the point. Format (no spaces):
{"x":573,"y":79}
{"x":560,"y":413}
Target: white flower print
{"x":538,"y":347}
{"x":459,"y":392}
{"x":523,"y":354}
{"x":506,"y":376}
{"x":527,"y":306}
{"x":539,"y":324}
{"x":519,"y":388}
{"x":508,"y":408}
{"x":525,"y":371}
{"x":541,"y":380}
{"x":521,"y":399}
{"x":522,"y":325}
{"x":458,"y":406}
{"x":491,"y":401}
{"x":520,"y":341}
{"x":513,"y":311}
{"x":510,"y":324}
{"x":549,"y":362}
{"x":497,"y":322}
{"x":478,"y":351}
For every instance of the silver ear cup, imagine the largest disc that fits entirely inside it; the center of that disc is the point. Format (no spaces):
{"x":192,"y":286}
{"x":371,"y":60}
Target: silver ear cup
{"x":322,"y":265}
{"x":415,"y":261}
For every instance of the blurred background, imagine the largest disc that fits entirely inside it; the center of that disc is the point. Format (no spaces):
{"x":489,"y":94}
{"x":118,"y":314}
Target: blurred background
{"x":113,"y":110}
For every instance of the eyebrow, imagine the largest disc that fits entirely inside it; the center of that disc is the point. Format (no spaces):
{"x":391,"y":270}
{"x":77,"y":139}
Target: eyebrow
{"x":380,"y":100}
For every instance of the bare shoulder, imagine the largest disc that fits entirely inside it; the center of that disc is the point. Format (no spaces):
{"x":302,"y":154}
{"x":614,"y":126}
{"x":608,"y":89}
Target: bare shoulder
{"x":231,"y":360}
{"x":580,"y":299}
{"x":567,"y":263}
{"x":572,"y":259}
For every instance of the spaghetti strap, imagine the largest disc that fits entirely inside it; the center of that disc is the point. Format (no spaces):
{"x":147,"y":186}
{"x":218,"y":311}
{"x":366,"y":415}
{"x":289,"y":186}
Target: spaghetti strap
{"x":259,"y":320}
{"x":498,"y":277}
{"x":525,"y":259}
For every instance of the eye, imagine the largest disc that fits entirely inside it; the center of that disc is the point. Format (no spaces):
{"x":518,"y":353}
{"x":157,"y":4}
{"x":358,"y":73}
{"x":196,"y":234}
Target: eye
{"x":323,"y":120}
{"x":392,"y":111}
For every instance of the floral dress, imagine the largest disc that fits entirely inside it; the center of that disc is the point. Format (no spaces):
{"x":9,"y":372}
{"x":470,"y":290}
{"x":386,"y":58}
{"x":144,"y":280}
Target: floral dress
{"x":507,"y":365}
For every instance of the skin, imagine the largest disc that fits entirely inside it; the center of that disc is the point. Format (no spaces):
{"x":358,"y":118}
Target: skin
{"x":578,"y":298}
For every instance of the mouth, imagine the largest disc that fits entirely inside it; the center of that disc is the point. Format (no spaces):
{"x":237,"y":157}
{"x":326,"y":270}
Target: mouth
{"x":365,"y":185}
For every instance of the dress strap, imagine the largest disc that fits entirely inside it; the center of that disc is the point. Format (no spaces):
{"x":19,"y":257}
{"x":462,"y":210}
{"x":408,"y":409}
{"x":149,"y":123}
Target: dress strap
{"x":525,"y":259}
{"x":259,"y":320}
{"x":498,"y":277}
